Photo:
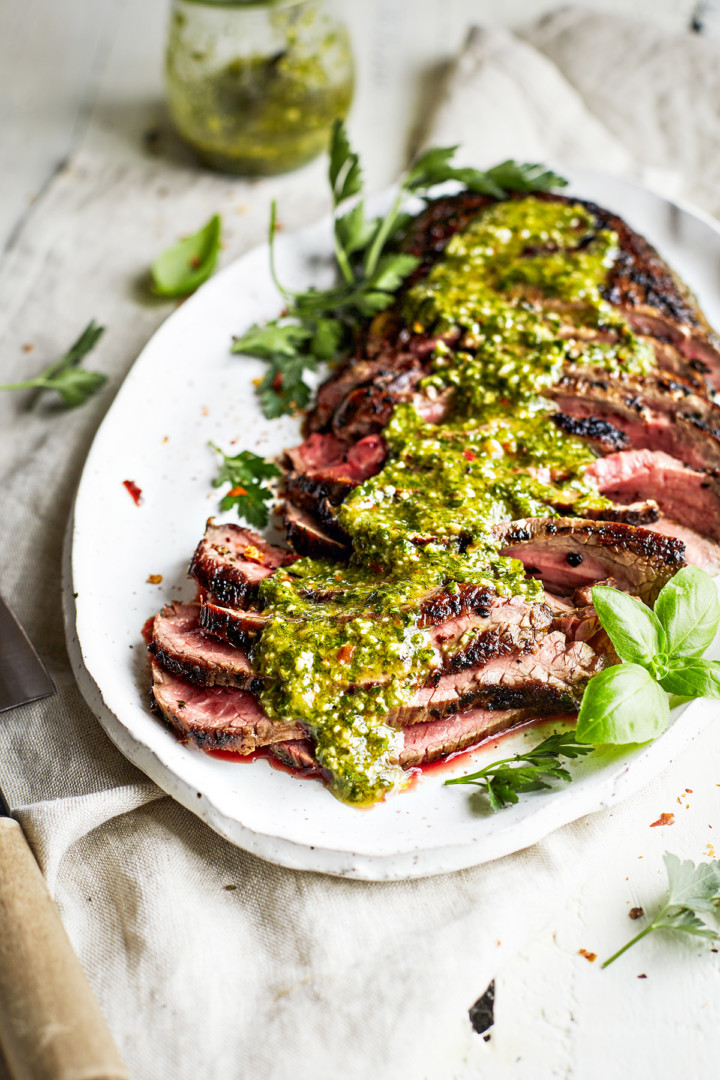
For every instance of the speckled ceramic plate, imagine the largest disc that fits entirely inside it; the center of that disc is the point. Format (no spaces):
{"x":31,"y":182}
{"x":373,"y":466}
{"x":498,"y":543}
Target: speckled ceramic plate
{"x":185,"y":389}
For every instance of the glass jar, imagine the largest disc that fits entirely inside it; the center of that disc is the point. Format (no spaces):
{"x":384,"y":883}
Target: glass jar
{"x":254,"y":85}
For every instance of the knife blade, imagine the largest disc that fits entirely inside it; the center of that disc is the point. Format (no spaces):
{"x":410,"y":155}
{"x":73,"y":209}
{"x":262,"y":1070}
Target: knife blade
{"x":23,"y":677}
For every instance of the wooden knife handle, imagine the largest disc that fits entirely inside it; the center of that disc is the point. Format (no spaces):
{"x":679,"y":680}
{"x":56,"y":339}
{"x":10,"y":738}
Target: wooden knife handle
{"x":51,"y":1027}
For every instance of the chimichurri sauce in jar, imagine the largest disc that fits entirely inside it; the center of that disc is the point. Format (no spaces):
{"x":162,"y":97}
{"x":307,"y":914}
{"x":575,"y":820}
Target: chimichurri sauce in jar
{"x":254,"y":86}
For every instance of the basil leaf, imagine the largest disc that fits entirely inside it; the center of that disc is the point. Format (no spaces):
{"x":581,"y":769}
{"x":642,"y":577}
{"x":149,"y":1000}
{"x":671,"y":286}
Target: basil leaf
{"x":694,"y":679}
{"x":183,"y":267}
{"x":622,"y":704}
{"x":689,"y":611}
{"x":633,"y":628}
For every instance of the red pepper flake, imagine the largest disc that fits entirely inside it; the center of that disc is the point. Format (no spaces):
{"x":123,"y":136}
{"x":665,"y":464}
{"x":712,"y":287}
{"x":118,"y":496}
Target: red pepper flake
{"x":642,"y":976}
{"x":636,"y":912}
{"x":664,"y":819}
{"x":134,"y":491}
{"x":588,"y":955}
{"x":345,"y":655}
{"x":377,"y":568}
{"x":195,"y":262}
{"x":154,"y":579}
{"x":469,"y":455}
{"x":237,"y":491}
{"x":277,"y":382}
{"x":28,"y":346}
{"x":689,"y":790}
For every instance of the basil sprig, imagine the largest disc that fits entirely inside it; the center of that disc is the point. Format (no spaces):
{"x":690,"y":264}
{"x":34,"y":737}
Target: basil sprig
{"x":661,"y":652}
{"x":319,"y":324}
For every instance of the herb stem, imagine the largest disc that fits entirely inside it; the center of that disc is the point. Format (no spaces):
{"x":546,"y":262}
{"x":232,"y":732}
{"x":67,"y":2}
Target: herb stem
{"x":383,"y":233}
{"x":633,"y":941}
{"x":23,"y":385}
{"x":343,"y":262}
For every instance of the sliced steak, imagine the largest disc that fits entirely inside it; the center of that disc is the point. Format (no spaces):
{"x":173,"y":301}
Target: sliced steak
{"x":699,"y":551}
{"x":216,"y":717}
{"x":180,"y":646}
{"x":230,"y":562}
{"x":324,"y":468}
{"x":685,"y":495}
{"x":568,"y":552}
{"x":550,"y":678}
{"x":239,"y":627}
{"x":655,"y":413}
{"x":423,"y":743}
{"x":601,"y":435}
{"x":309,"y":538}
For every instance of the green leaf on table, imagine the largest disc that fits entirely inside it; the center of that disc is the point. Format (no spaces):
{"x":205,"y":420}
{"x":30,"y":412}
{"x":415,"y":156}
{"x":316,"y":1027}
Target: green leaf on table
{"x":73,"y":383}
{"x":246,"y":473}
{"x":622,"y":704}
{"x":689,"y":611}
{"x":183,"y":267}
{"x":694,"y":678}
{"x":633,"y":628}
{"x":691,"y":889}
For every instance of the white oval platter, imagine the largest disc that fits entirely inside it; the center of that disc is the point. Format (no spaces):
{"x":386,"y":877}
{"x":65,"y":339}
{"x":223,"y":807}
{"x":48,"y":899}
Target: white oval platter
{"x":186,"y":389}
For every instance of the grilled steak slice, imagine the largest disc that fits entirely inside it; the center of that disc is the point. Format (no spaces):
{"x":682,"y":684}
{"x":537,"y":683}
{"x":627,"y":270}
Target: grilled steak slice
{"x":655,"y":413}
{"x":685,"y":495}
{"x":230,"y":562}
{"x":698,"y":550}
{"x":237,"y":626}
{"x":216,"y":717}
{"x":550,"y":678}
{"x":324,"y":468}
{"x":308,"y":538}
{"x":473,"y":639}
{"x":180,"y":646}
{"x":423,"y":743}
{"x":568,"y":552}
{"x":602,"y":436}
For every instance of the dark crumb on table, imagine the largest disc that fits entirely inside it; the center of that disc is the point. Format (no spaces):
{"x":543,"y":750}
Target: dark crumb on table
{"x":636,"y":913}
{"x":482,"y":1013}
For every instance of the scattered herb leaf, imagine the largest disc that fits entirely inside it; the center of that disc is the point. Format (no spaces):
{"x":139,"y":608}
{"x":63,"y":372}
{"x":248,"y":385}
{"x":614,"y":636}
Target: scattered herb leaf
{"x":248,"y":494}
{"x":622,"y":704}
{"x":691,"y":889}
{"x":73,"y":383}
{"x":503,"y":780}
{"x":182,"y":268}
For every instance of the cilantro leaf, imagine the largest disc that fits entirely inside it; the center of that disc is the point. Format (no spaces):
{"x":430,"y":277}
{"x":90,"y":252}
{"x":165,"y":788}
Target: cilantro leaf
{"x":73,"y":383}
{"x":273,"y":340}
{"x":691,"y":889}
{"x":507,"y":778}
{"x":246,"y":474}
{"x":182,"y":268}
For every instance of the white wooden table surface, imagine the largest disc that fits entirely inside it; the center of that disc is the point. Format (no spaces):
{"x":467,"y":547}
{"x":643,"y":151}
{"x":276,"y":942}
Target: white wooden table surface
{"x":88,"y":72}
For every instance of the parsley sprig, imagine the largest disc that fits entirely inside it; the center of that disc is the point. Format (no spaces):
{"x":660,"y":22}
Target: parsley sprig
{"x":319,"y":324}
{"x":246,"y":474}
{"x":65,"y":376}
{"x":505,"y":779}
{"x":691,"y":890}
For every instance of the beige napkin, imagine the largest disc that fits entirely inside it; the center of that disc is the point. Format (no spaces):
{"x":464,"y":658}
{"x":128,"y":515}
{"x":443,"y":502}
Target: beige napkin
{"x":207,"y":961}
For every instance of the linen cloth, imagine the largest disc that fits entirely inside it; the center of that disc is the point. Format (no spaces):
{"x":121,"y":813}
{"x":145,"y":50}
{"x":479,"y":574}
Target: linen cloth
{"x":207,"y":961}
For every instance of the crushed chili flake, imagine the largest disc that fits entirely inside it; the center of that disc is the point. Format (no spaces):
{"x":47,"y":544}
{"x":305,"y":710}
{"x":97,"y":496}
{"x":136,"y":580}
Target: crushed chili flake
{"x":28,"y":346}
{"x":689,"y":790}
{"x":277,"y":382}
{"x":588,"y":955}
{"x":134,"y":491}
{"x":205,"y":411}
{"x":345,"y":655}
{"x":469,"y":455}
{"x":250,"y":551}
{"x":195,"y":262}
{"x":664,"y":819}
{"x":237,"y":491}
{"x":642,"y":976}
{"x":154,"y":579}
{"x":636,"y":912}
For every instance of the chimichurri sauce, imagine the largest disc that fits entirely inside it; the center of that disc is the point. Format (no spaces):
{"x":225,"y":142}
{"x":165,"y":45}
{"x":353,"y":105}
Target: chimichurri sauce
{"x":513,"y":297}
